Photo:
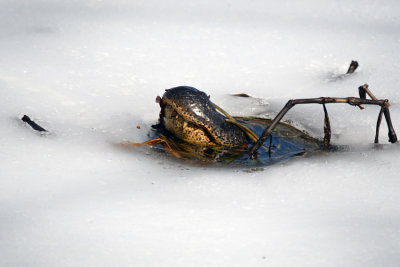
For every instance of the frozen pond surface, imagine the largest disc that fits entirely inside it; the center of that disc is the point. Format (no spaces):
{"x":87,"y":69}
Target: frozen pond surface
{"x":89,"y":72}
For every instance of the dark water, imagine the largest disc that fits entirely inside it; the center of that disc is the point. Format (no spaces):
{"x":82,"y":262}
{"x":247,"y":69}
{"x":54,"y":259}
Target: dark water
{"x":287,"y":142}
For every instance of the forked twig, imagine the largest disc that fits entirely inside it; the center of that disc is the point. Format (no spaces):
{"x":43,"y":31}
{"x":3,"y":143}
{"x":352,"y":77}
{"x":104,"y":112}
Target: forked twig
{"x":326,"y":100}
{"x":363,"y":90}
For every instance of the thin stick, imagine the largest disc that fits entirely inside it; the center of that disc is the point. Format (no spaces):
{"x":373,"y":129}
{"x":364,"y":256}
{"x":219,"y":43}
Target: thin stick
{"x":378,"y":125}
{"x":33,"y":124}
{"x":327,"y":128}
{"x":392,"y":133}
{"x":322,"y":100}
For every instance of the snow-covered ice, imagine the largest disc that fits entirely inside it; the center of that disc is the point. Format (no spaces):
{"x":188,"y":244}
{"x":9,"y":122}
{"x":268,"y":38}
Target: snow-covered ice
{"x":89,"y":72}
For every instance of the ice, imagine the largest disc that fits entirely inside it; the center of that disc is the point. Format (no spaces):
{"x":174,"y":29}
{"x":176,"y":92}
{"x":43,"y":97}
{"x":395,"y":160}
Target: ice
{"x":89,"y":72}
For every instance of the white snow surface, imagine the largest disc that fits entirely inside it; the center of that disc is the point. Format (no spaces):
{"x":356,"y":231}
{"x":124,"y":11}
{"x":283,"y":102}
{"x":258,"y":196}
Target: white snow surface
{"x":89,"y":72}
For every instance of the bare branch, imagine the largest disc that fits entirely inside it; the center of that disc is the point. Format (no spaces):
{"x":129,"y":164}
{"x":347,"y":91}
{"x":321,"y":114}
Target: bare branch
{"x":323,"y":100}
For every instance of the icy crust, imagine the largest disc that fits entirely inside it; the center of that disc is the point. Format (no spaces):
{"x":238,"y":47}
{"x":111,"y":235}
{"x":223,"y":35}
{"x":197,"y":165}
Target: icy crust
{"x":89,"y":71}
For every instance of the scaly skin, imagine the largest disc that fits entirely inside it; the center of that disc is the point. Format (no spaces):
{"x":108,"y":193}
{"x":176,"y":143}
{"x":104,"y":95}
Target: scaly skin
{"x":189,"y":114}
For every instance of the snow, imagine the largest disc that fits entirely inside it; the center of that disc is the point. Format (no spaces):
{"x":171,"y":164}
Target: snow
{"x":89,"y":72}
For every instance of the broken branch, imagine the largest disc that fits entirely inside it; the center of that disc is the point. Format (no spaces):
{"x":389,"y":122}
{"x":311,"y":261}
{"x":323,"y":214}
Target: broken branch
{"x":33,"y":124}
{"x":323,"y":100}
{"x":353,"y":66}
